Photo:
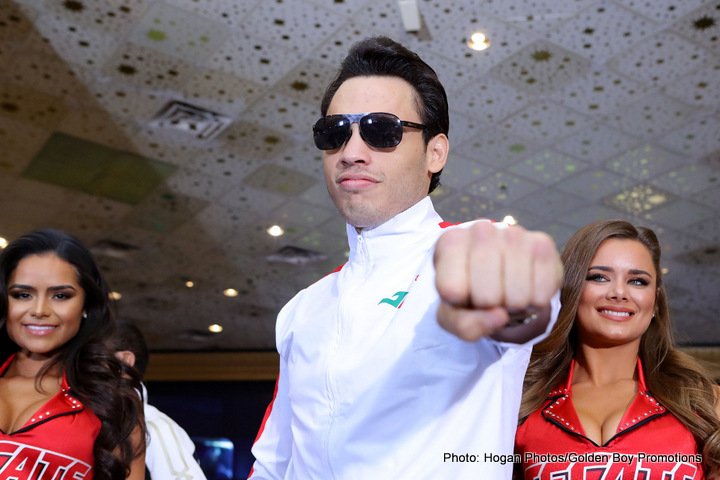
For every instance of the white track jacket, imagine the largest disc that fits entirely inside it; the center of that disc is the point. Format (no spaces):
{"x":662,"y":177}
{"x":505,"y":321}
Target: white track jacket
{"x":372,"y":388}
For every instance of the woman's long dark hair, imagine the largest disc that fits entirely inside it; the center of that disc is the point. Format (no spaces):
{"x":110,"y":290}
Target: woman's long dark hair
{"x":96,"y":377}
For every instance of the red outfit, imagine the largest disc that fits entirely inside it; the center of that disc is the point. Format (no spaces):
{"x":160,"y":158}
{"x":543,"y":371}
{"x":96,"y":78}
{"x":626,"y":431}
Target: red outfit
{"x":553,"y":445}
{"x":55,"y":444}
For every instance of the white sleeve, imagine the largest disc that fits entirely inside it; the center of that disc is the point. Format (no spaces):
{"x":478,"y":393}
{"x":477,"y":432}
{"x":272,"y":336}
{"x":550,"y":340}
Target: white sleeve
{"x":273,"y":445}
{"x":169,"y":453}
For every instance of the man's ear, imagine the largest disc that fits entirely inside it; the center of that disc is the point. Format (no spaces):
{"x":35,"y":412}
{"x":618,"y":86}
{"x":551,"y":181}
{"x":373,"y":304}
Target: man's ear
{"x":126,"y":356}
{"x":437,"y":152}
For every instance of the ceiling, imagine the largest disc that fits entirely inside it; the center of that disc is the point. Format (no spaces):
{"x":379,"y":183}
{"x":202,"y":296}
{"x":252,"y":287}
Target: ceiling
{"x":579,"y":110}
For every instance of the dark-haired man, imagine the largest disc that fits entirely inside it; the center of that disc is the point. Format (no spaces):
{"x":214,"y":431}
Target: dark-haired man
{"x":169,"y":453}
{"x":403,"y":364}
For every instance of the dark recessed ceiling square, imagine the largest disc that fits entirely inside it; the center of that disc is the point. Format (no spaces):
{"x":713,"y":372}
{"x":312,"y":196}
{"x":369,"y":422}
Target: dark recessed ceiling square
{"x":96,"y":169}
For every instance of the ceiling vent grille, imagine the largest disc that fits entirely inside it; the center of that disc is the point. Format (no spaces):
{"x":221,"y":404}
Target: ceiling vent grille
{"x":190,"y":119}
{"x":112,"y":248}
{"x":296,"y":256}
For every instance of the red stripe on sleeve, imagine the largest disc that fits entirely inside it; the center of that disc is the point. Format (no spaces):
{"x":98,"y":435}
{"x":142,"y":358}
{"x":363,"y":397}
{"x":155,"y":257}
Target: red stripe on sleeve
{"x":448,"y":224}
{"x":268,"y":411}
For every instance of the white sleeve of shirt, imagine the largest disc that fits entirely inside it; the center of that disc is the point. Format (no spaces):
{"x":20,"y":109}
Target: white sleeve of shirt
{"x":169,"y":453}
{"x":273,"y":446}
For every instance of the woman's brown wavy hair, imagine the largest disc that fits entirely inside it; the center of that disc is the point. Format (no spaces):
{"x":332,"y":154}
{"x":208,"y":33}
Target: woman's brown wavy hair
{"x":677,"y":380}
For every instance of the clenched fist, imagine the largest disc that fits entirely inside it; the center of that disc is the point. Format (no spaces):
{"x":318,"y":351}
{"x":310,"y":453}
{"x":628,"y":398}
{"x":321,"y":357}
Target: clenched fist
{"x":485,"y":271}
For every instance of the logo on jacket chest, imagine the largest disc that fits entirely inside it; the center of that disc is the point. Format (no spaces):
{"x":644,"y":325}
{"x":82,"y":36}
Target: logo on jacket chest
{"x":396,"y":300}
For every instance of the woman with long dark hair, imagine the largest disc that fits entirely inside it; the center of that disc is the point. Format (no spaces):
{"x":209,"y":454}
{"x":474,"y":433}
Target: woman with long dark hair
{"x":68,"y":406}
{"x":607,"y":394}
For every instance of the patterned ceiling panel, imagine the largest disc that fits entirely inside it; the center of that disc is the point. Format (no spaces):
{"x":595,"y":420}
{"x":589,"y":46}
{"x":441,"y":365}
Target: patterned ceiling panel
{"x":579,"y":110}
{"x":548,"y":167}
{"x":644,"y":162}
{"x":602,"y":30}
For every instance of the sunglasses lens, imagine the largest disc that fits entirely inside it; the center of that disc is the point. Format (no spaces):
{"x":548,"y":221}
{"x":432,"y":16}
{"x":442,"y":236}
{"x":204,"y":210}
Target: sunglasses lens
{"x":331,"y":132}
{"x":381,"y":130}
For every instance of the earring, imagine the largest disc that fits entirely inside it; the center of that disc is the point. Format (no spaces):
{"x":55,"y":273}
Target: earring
{"x":84,"y":315}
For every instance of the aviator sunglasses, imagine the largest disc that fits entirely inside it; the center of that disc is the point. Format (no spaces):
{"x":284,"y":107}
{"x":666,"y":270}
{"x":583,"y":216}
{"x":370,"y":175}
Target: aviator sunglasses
{"x":377,"y":129}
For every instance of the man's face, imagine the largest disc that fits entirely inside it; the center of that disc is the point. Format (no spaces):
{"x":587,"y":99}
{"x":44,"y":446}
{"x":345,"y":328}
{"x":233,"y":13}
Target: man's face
{"x":371,"y":185}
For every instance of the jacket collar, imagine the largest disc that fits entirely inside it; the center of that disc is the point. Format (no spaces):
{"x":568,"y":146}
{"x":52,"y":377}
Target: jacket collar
{"x":561,"y":411}
{"x":62,"y":403}
{"x":406,"y":232}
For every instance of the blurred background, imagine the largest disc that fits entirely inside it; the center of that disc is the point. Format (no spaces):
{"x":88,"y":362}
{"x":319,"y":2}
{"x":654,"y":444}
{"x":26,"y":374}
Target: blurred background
{"x":174,"y":138}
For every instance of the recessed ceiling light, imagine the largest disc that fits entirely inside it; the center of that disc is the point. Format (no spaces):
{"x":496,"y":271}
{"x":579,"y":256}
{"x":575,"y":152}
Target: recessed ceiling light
{"x":478,"y":41}
{"x":189,"y":283}
{"x":115,"y":295}
{"x":664,"y":270}
{"x":215,"y":328}
{"x":275,"y":231}
{"x":230,"y":292}
{"x":3,"y":242}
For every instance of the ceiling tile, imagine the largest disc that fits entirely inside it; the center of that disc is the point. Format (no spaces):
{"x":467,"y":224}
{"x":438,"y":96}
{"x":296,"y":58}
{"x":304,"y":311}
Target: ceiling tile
{"x":655,"y":112}
{"x":256,"y":140}
{"x":244,"y":201}
{"x":698,"y":137}
{"x":147,"y":68}
{"x":702,"y":25}
{"x":165,"y":210}
{"x":597,"y":143}
{"x":180,"y":33}
{"x":660,"y":59}
{"x":297,"y":25}
{"x":461,"y":207}
{"x":253,"y":59}
{"x":541,"y":67}
{"x":544,"y":122}
{"x":110,"y":16}
{"x":537,"y":15}
{"x":24,"y":104}
{"x":459,"y":172}
{"x":20,"y":141}
{"x":700,"y":88}
{"x":602,"y":31}
{"x":490,"y":100}
{"x":681,"y":214}
{"x":689,"y":179}
{"x":595,"y":184}
{"x":317,"y":195}
{"x":639,"y":199}
{"x":220,"y":91}
{"x":711,"y":196}
{"x":550,"y":202}
{"x":502,"y":187}
{"x":298,"y":217}
{"x":644,"y":162}
{"x":598,"y":92}
{"x":96,"y":169}
{"x":232,"y":13}
{"x":662,"y":10}
{"x":277,"y":179}
{"x":496,"y":147}
{"x":285,"y":114}
{"x":548,"y":167}
{"x":306,"y":82}
{"x":582,"y":216}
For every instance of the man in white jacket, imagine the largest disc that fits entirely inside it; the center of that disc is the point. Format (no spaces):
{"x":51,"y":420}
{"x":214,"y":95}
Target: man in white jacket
{"x":169,"y":453}
{"x":407,"y":362}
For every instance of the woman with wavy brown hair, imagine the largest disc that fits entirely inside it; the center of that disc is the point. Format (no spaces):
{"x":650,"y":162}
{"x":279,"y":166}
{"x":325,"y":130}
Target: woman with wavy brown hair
{"x":607,"y":392}
{"x":68,"y":407}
